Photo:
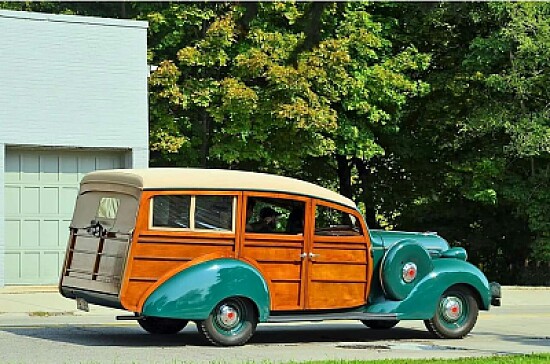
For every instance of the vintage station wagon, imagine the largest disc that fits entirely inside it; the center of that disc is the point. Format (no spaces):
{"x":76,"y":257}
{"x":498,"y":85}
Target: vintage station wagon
{"x":231,"y":249}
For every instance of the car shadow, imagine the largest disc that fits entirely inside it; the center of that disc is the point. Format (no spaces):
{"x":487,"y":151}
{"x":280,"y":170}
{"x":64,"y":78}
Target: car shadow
{"x":133,"y":336}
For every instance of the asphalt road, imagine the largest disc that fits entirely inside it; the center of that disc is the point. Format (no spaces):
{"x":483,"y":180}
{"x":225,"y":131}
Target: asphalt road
{"x":522,"y":325}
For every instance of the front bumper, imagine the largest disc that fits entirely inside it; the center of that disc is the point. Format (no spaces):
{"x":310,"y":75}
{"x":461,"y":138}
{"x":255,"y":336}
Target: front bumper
{"x":496,"y":293}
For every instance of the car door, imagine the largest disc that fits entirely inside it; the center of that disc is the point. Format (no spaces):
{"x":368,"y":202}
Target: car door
{"x":277,"y":250}
{"x":338,"y":260}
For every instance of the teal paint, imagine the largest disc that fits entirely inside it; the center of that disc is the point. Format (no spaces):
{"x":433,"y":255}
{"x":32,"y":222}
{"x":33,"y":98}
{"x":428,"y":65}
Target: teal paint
{"x":429,"y":241}
{"x":456,"y":253}
{"x":422,"y":301}
{"x":400,"y":254}
{"x":194,"y":292}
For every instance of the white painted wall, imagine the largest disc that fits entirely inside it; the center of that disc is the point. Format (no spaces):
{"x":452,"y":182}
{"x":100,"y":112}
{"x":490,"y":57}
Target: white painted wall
{"x":72,"y":82}
{"x":2,"y":229}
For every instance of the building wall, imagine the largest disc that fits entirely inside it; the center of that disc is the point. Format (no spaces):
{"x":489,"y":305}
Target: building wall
{"x":2,"y":241}
{"x":71,"y":83}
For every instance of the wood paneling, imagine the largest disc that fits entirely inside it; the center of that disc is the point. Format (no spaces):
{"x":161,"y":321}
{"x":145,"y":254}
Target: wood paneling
{"x":157,"y":254}
{"x":343,"y":273}
{"x":333,"y":295}
{"x":280,"y":262}
{"x":286,"y":296}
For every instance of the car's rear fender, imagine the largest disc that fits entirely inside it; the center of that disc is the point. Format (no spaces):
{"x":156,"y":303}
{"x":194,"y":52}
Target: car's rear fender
{"x":192,"y":293}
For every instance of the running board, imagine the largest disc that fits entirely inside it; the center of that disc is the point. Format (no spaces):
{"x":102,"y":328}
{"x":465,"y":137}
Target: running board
{"x":308,"y":317}
{"x":332,"y":316}
{"x":129,"y":318}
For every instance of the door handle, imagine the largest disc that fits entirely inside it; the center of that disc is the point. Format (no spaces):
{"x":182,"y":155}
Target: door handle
{"x":311,"y":255}
{"x":303,"y":255}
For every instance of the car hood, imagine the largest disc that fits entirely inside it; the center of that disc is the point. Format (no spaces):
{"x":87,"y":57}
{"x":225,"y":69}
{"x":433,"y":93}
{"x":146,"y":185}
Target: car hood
{"x":432,"y":242}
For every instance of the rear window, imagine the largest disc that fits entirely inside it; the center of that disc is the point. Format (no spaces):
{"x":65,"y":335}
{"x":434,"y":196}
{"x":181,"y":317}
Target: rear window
{"x":108,"y":208}
{"x":187,"y":212}
{"x":116,"y":212}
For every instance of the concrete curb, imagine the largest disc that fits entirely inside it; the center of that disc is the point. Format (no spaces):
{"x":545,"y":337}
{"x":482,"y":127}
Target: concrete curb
{"x":28,"y":289}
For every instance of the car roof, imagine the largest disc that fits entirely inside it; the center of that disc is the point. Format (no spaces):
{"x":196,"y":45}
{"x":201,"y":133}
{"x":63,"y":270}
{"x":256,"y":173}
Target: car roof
{"x":213,"y":179}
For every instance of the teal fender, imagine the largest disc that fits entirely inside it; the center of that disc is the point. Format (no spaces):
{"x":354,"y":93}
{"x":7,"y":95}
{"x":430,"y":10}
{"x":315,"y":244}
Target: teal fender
{"x":421,"y":303}
{"x":194,"y":292}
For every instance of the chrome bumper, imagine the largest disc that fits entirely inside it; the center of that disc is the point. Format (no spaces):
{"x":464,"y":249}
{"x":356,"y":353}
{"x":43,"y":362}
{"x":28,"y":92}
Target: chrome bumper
{"x":496,"y":294}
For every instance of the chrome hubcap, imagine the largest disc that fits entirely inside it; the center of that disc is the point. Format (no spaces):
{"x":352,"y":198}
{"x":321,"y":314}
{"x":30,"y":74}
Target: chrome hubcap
{"x":228,"y":316}
{"x":409,"y":272}
{"x":451,"y":308}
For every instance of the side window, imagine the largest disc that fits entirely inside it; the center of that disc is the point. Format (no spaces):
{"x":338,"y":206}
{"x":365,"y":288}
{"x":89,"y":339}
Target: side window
{"x":333,"y":222}
{"x":214,"y":212}
{"x":275,"y":216}
{"x":193,"y":212}
{"x":171,"y":211}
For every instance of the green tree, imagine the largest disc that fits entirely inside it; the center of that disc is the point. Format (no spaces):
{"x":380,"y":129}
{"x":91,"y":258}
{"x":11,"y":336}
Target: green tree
{"x":304,"y":89}
{"x":477,"y":155}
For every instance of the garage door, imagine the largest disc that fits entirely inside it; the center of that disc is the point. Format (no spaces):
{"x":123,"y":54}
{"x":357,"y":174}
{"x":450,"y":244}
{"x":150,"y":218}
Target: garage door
{"x":40,"y":191}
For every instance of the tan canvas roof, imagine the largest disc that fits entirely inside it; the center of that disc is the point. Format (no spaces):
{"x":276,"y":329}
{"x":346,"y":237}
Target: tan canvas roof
{"x":213,"y":179}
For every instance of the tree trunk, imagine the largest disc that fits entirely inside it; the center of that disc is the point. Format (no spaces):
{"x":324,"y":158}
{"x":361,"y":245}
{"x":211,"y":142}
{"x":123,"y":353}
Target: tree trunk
{"x":364,"y":178}
{"x":205,"y":146}
{"x":344,"y":175}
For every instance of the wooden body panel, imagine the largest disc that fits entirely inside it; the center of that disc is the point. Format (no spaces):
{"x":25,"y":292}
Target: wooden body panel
{"x":336,"y":274}
{"x":280,"y":262}
{"x":157,"y":254}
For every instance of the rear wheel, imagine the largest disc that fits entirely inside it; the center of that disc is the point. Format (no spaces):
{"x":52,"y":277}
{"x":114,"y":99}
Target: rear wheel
{"x":232,"y":322}
{"x":161,"y":325}
{"x":456,"y":314}
{"x":380,"y":324}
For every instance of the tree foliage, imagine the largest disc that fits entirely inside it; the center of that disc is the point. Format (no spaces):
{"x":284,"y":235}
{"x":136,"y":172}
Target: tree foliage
{"x":479,"y":158}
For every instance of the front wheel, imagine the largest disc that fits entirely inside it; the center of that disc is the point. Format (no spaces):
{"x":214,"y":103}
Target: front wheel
{"x":456,"y":314}
{"x":232,"y":322}
{"x":380,"y":324}
{"x":162,"y":326}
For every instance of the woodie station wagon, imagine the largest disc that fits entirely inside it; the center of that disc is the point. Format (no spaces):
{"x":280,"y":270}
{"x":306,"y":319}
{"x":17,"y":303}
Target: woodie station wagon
{"x":231,"y":249}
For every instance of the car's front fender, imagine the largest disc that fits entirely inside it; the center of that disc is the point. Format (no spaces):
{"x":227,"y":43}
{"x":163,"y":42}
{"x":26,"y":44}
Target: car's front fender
{"x":421,"y":303}
{"x":192,"y":293}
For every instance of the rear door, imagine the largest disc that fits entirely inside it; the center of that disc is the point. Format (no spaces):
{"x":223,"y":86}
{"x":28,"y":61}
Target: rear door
{"x":101,"y":231}
{"x":274,"y":239}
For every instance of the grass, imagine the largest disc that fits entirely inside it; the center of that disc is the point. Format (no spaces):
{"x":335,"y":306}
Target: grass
{"x":509,"y":359}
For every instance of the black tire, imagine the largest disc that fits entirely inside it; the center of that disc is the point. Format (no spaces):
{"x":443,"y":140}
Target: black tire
{"x":456,"y":314}
{"x":380,"y":324}
{"x":231,"y":323}
{"x":162,"y":326}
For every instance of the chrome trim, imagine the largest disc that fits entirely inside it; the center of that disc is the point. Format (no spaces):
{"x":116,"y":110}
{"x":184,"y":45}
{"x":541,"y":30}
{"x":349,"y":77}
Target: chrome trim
{"x":451,"y":308}
{"x":409,"y":272}
{"x":228,"y":316}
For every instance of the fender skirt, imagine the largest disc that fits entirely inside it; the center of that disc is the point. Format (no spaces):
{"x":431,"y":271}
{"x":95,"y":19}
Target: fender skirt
{"x":421,"y":303}
{"x":194,"y":292}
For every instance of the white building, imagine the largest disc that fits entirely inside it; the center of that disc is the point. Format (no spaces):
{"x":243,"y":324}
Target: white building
{"x":73,"y":98}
